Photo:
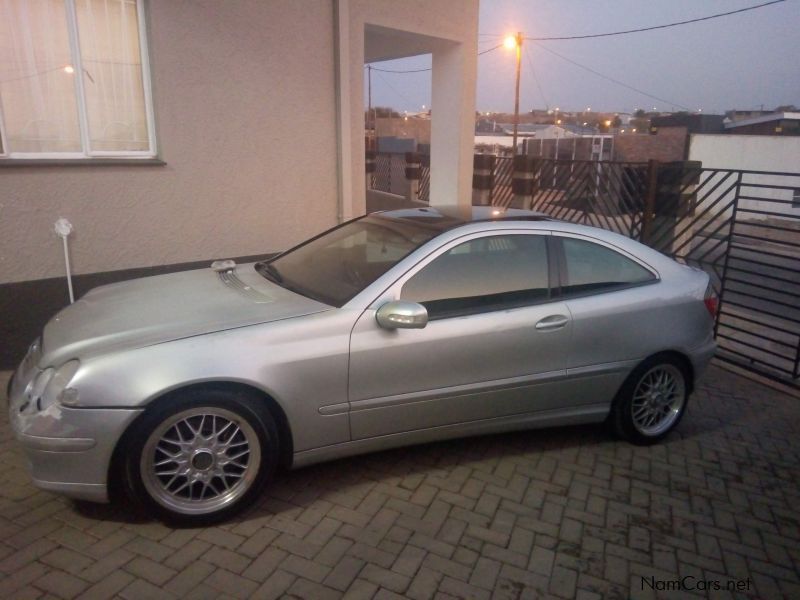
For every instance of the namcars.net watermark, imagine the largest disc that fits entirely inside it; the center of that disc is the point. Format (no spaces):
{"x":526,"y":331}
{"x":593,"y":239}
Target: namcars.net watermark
{"x":691,"y":583}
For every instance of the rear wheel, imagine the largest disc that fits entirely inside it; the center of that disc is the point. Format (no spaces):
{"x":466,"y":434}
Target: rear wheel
{"x":202,"y":457}
{"x":652,"y":400}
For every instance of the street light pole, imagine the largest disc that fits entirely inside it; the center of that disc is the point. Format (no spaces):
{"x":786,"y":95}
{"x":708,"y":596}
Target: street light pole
{"x":518,"y":39}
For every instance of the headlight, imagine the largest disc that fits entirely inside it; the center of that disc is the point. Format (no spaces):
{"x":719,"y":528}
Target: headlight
{"x":56,"y":386}
{"x":33,"y":354}
{"x":39,"y":385}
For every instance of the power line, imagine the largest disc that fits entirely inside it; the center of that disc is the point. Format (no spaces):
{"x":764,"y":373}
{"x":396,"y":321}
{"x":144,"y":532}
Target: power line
{"x":490,"y":49}
{"x":598,"y":35}
{"x":429,"y":68}
{"x":394,"y":89}
{"x":617,"y":81}
{"x":536,"y":79}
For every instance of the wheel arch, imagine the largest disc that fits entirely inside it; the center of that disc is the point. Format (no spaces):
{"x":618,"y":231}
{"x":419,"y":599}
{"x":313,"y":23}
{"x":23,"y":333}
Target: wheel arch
{"x":268,"y":402}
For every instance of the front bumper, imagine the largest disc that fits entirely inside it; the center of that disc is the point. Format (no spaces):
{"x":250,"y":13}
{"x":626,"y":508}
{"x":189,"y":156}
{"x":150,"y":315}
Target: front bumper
{"x":68,"y":449}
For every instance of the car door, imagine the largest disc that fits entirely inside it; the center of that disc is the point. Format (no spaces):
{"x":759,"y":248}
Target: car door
{"x":495,"y":344}
{"x":609,"y":295}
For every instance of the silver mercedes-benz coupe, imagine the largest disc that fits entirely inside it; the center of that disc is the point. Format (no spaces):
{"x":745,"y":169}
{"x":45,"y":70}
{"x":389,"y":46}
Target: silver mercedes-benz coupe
{"x":187,"y":391}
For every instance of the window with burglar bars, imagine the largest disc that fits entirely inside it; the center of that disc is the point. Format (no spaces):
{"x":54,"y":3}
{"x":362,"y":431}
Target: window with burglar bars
{"x":74,"y":80}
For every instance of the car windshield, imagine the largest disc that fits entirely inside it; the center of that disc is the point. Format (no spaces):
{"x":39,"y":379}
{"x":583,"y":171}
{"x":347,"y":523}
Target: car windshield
{"x":338,"y":264}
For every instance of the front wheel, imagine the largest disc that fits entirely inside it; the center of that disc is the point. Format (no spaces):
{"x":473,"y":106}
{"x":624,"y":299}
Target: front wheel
{"x":202,"y":457}
{"x":652,"y":400}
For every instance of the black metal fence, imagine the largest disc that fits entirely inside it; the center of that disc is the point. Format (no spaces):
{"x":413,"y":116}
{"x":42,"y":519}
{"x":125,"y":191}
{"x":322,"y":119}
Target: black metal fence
{"x":389,"y":175}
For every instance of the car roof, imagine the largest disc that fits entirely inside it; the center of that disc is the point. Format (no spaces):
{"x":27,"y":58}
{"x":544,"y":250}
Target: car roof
{"x":444,"y":218}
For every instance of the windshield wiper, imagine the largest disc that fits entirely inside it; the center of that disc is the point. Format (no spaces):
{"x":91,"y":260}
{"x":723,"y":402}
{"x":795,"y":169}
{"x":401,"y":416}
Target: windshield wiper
{"x":269,"y":271}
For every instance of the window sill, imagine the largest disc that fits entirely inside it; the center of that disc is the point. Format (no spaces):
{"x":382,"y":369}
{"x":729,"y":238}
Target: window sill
{"x":78,"y":162}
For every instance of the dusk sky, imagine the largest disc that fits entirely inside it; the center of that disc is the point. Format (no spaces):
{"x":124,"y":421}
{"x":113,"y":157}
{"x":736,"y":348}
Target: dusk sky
{"x":738,"y":61}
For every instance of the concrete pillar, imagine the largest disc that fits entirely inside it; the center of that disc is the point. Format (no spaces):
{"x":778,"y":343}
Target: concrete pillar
{"x":452,"y":123}
{"x":483,"y":179}
{"x":412,"y":174}
{"x":523,"y":180}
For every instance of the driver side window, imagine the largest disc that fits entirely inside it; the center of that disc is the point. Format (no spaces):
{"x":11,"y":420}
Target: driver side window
{"x":485,"y":274}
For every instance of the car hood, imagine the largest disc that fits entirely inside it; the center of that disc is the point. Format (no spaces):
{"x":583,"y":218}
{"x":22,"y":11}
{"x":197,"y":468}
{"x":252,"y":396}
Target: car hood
{"x":152,"y":310}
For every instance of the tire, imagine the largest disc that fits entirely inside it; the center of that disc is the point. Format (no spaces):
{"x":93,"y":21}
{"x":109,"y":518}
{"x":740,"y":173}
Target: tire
{"x":201,"y":457}
{"x":652,"y":401}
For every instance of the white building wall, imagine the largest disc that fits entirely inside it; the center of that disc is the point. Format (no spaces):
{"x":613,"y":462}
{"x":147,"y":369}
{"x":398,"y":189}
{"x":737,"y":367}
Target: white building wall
{"x":755,"y":153}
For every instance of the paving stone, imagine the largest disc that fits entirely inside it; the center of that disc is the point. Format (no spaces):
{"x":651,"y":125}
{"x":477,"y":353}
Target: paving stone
{"x":263,"y":566}
{"x":61,"y":584}
{"x":302,"y":567}
{"x":152,"y":571}
{"x":231,"y":584}
{"x":274,"y":586}
{"x":361,"y":590}
{"x":139,"y":588}
{"x":108,"y":587}
{"x":343,"y":574}
{"x":385,"y":578}
{"x":189,"y":578}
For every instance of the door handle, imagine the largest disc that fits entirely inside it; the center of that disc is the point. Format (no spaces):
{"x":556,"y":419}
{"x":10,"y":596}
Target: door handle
{"x":552,"y":322}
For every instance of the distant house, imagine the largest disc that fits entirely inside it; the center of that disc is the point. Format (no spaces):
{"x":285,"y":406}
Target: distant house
{"x":776,"y":123}
{"x":669,"y":137}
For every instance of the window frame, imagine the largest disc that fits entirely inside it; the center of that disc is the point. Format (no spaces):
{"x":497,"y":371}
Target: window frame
{"x":563,"y":271}
{"x":397,"y":288}
{"x":87,"y":154}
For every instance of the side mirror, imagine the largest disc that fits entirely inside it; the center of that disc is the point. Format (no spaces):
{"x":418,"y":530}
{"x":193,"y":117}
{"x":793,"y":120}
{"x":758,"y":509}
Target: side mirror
{"x":401,"y":314}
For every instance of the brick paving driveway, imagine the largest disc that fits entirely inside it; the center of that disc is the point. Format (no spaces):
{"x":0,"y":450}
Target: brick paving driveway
{"x":552,"y":513}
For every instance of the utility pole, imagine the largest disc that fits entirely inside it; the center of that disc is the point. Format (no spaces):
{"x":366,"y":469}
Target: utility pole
{"x":518,"y":39}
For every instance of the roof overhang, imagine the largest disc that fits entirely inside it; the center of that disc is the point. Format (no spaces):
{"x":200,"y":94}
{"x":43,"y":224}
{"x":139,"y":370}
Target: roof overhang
{"x":764,"y":119}
{"x":384,"y":43}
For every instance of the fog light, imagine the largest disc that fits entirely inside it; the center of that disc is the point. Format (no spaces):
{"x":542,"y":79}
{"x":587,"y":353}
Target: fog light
{"x":69,"y":397}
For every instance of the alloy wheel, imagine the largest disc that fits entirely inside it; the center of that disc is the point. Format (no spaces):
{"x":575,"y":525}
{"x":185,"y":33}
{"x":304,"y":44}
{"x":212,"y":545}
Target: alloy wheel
{"x":200,"y":460}
{"x":658,"y":400}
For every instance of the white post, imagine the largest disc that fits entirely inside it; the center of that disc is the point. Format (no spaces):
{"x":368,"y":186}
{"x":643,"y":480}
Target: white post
{"x":63,"y":228}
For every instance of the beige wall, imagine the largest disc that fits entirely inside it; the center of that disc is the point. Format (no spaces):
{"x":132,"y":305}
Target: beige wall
{"x":245,"y":116}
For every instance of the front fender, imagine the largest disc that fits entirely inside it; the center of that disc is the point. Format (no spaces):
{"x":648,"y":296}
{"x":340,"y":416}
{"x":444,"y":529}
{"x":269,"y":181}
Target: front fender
{"x":300,"y":362}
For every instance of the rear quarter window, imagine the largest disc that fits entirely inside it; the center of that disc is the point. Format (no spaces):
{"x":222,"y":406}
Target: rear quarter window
{"x":590,"y":268}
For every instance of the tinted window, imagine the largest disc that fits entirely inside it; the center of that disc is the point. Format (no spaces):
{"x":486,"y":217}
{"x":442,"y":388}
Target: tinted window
{"x":489,"y":273}
{"x":591,"y":267}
